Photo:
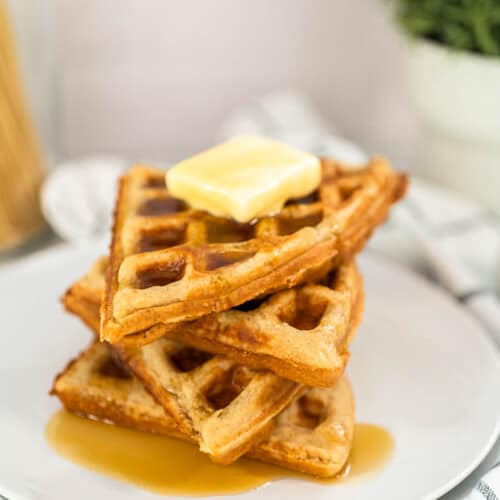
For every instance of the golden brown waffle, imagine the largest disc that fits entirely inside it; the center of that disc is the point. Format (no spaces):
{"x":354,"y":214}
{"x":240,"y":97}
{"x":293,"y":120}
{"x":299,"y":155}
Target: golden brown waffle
{"x":301,"y":334}
{"x":312,"y":435}
{"x":229,"y":407}
{"x":171,"y":264}
{"x":84,"y":296}
{"x":94,"y":384}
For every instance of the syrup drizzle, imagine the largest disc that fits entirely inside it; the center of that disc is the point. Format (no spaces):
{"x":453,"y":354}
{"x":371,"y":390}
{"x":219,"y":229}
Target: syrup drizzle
{"x":169,"y":466}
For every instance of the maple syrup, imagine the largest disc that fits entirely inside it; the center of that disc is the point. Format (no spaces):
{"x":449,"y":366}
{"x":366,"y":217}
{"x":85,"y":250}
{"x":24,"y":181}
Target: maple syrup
{"x":170,"y":466}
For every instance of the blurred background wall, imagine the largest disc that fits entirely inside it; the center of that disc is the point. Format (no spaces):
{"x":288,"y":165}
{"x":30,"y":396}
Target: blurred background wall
{"x":157,"y":77}
{"x":154,"y":79}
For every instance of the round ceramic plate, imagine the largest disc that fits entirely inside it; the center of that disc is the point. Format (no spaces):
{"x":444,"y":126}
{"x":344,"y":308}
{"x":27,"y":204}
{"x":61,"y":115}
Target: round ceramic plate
{"x":421,"y":367}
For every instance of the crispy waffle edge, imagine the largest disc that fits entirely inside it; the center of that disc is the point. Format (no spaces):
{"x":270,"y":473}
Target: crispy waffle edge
{"x":279,"y":449}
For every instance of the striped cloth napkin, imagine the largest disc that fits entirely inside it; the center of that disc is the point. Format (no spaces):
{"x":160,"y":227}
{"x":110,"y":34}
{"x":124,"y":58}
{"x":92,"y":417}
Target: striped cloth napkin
{"x":442,"y":234}
{"x":488,"y":488}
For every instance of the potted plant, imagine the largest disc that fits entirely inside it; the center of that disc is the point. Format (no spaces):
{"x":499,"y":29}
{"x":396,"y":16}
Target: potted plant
{"x":454,"y":76}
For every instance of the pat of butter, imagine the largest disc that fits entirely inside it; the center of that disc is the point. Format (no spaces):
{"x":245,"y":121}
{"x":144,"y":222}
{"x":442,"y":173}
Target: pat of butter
{"x":244,"y":178}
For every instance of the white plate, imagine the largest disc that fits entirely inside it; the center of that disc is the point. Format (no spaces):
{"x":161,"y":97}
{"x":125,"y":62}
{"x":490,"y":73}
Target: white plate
{"x":420,"y":366}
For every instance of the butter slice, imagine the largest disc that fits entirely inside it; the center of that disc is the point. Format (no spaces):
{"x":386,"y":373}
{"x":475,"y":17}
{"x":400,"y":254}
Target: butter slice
{"x":244,"y":178}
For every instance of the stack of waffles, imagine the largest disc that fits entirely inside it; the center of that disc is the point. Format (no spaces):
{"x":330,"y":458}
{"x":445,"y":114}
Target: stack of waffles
{"x":233,"y":336}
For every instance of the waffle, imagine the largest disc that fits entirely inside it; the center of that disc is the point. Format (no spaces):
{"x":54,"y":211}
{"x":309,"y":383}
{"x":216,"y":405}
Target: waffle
{"x":170,"y":263}
{"x":84,"y":296}
{"x":227,"y":405}
{"x":301,"y":334}
{"x":312,"y":435}
{"x":95,"y":385}
{"x":230,"y":405}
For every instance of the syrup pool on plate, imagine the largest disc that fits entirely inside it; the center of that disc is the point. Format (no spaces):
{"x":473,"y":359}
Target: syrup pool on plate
{"x":170,"y":466}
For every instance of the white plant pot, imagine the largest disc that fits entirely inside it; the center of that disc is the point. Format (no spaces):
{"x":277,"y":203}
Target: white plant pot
{"x":457,"y":96}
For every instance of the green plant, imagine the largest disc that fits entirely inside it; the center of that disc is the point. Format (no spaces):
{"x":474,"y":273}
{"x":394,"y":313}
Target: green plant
{"x":472,"y":25}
